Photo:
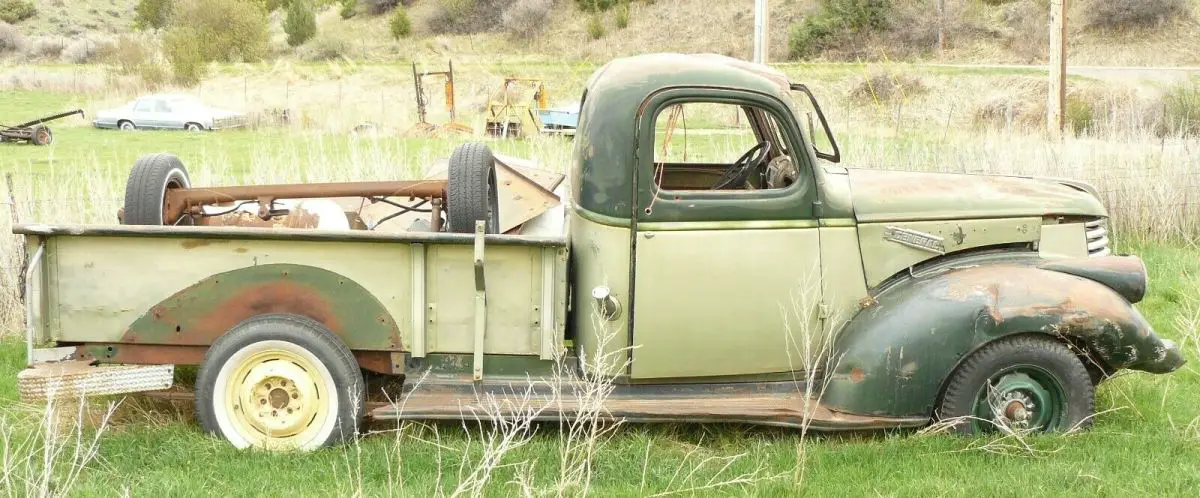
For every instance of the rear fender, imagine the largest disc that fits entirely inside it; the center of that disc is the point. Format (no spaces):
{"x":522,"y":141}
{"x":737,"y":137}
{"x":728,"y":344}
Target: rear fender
{"x":895,"y":355}
{"x":199,"y":314}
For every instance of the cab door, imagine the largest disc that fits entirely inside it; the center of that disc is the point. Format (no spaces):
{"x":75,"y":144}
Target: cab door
{"x":726,"y":282}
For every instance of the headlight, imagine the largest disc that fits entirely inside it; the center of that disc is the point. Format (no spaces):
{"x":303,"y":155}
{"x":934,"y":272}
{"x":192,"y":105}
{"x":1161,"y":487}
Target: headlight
{"x":1096,"y":232}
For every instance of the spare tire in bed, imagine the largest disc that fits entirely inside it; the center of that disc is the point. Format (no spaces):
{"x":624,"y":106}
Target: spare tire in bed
{"x":146,"y":188}
{"x":471,"y":190}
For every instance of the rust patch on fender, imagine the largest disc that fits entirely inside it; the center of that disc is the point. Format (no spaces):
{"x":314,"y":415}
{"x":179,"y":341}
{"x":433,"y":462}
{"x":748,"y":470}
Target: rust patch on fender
{"x":201,"y":313}
{"x":261,"y":299}
{"x":1009,"y":291}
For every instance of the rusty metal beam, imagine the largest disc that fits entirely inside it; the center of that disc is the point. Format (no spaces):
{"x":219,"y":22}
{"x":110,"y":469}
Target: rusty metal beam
{"x":141,"y":354}
{"x":178,"y":201}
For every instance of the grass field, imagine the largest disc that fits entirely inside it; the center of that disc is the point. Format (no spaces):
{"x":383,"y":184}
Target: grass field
{"x":1145,"y":441}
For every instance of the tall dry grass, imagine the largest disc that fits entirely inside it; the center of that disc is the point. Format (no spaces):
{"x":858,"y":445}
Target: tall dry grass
{"x":44,"y":455}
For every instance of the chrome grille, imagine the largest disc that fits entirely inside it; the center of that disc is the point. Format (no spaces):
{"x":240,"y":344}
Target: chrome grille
{"x":230,"y":122}
{"x":1097,"y":237}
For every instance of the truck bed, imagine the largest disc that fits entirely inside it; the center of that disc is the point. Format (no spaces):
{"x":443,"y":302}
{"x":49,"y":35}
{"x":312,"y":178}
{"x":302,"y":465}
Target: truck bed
{"x":177,"y":286}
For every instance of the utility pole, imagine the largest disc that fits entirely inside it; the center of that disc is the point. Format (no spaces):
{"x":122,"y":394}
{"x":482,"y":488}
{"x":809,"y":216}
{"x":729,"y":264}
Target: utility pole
{"x":760,"y":31}
{"x":1056,"y":104}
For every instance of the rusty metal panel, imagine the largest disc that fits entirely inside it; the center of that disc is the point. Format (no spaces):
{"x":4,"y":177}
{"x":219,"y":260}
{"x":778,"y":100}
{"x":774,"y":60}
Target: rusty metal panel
{"x":105,"y":287}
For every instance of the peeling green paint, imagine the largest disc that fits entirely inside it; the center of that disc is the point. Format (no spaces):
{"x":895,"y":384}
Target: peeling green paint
{"x":204,"y":311}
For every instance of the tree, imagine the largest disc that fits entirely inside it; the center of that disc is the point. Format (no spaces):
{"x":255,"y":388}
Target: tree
{"x":400,"y":25}
{"x":214,"y":31}
{"x":300,"y":23}
{"x":151,"y":14}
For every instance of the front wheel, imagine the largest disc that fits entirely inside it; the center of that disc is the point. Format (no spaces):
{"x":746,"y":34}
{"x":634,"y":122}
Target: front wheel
{"x":1022,"y":383}
{"x":126,"y":125}
{"x":280,"y":382}
{"x":193,"y":127}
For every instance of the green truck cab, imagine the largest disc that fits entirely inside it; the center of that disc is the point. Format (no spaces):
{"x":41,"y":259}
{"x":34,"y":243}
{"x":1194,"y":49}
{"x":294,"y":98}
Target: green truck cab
{"x":779,"y":289}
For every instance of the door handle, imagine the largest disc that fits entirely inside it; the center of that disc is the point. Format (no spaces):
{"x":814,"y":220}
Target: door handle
{"x":648,"y":235}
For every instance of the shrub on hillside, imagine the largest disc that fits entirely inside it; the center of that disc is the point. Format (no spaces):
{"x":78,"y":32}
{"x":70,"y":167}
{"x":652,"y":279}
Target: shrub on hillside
{"x":128,"y":55}
{"x":87,"y":50}
{"x":152,"y":14}
{"x":595,"y":26}
{"x":835,"y":20}
{"x":621,"y":16}
{"x":400,"y":25}
{"x":526,"y":18}
{"x":43,"y":48}
{"x":597,"y":5}
{"x":348,"y":8}
{"x":467,"y":16}
{"x":380,"y":6}
{"x":326,"y":47}
{"x":15,"y":11}
{"x":1116,"y":14}
{"x":300,"y":23}
{"x":214,"y":30}
{"x":10,"y":40}
{"x":1027,"y":29}
{"x":1181,"y":110}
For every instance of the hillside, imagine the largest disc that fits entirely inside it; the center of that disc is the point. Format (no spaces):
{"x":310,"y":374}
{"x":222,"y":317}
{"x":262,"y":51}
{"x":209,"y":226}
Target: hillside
{"x":976,"y":31}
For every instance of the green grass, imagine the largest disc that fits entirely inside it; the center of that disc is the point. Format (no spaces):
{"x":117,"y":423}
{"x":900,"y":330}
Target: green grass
{"x":1143,"y":444}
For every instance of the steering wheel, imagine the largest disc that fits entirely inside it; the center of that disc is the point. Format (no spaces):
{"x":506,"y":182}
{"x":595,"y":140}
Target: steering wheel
{"x":739,"y":172}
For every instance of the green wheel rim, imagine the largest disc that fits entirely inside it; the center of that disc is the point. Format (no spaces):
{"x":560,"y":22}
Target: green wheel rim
{"x":1022,"y":397}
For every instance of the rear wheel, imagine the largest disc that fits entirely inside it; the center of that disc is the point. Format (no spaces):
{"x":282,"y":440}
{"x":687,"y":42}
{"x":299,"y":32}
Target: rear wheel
{"x":1024,"y":383}
{"x":471,"y":189}
{"x":41,"y":135}
{"x":280,"y":382}
{"x":146,"y":189}
{"x":193,"y":127}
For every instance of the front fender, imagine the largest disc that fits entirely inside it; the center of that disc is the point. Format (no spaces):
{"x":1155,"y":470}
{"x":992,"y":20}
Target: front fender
{"x":894,"y":356}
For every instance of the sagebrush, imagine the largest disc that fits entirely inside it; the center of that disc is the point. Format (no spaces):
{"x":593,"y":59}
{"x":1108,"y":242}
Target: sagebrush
{"x":1118,"y":14}
{"x":15,"y":11}
{"x":526,"y":18}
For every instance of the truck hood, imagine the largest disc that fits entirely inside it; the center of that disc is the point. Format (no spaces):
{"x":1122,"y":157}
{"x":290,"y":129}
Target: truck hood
{"x":879,"y":195}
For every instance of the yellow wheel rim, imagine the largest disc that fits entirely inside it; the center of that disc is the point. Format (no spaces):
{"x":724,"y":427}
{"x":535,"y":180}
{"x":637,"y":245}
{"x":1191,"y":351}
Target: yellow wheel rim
{"x":277,"y":399}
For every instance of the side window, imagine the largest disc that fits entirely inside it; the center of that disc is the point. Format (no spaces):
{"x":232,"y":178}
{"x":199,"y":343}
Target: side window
{"x":163,"y":106}
{"x":145,"y":105}
{"x":720,"y":146}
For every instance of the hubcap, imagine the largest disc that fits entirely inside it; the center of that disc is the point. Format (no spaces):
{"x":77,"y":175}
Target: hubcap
{"x":276,"y":396}
{"x":1025,"y":398}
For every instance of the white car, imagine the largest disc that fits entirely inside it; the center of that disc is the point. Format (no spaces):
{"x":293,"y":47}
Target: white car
{"x":168,"y":112}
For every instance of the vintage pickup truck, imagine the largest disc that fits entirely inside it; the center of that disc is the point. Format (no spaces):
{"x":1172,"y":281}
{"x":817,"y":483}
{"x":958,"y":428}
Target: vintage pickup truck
{"x":776,"y":289}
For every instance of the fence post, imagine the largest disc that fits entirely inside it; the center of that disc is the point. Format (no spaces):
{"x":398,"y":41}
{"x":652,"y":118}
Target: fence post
{"x":20,"y":246}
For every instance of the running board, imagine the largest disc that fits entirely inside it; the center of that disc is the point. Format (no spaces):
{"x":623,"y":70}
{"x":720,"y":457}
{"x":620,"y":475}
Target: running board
{"x":76,"y":378}
{"x":753,"y":403}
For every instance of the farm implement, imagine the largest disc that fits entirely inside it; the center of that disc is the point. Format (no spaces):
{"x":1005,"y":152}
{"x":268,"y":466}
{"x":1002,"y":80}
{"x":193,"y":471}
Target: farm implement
{"x":35,"y":132}
{"x":509,"y":115}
